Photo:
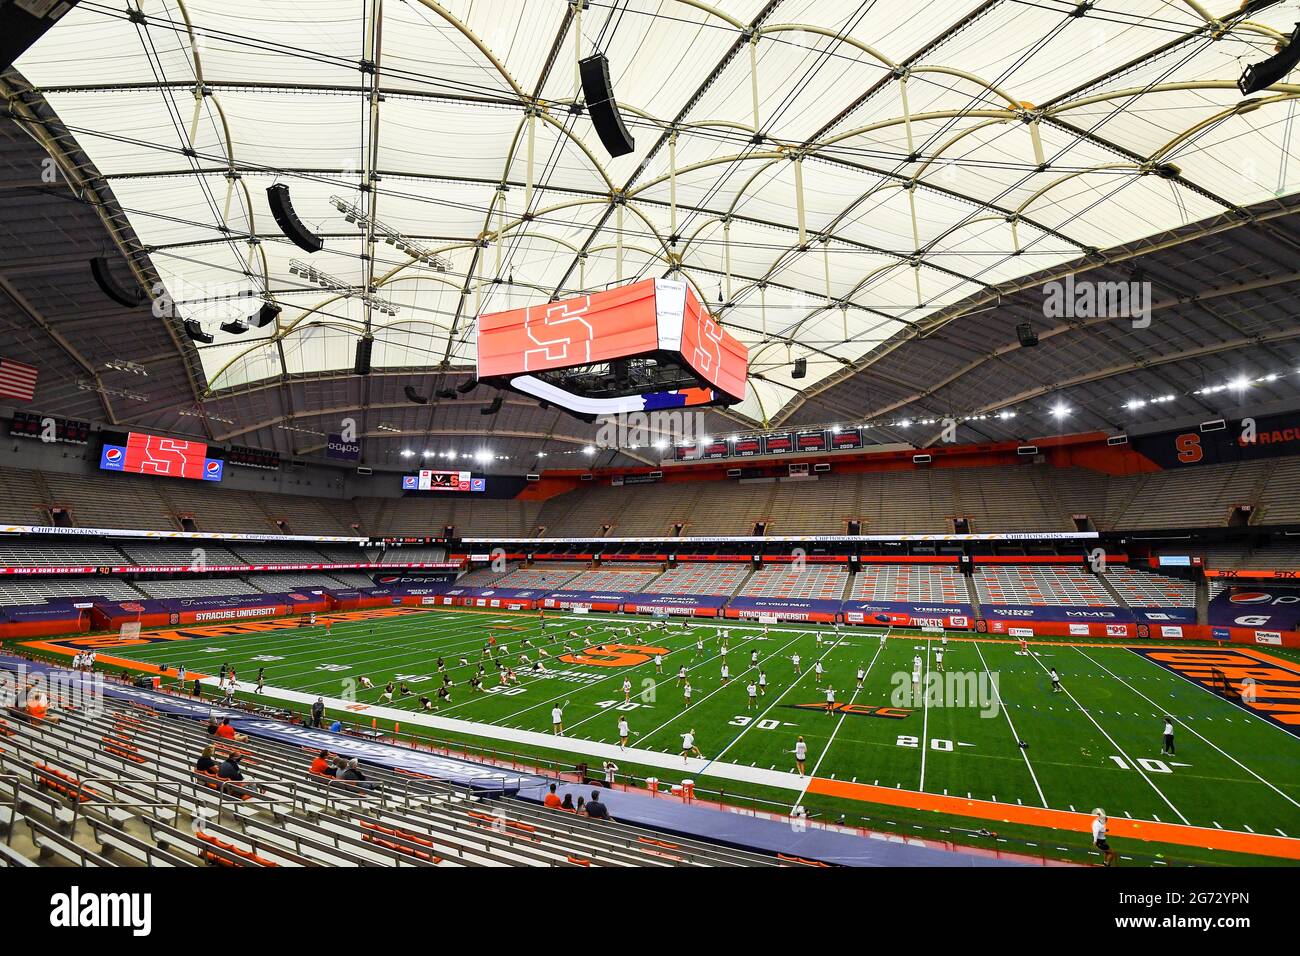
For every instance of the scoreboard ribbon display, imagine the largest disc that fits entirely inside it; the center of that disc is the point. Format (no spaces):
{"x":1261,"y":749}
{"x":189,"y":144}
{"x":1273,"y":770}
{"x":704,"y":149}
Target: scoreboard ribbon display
{"x":427,"y":480}
{"x":154,"y":455}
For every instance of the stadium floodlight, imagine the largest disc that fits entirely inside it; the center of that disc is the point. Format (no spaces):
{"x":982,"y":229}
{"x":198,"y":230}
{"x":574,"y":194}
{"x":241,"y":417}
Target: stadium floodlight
{"x":589,"y":450}
{"x":407,"y":453}
{"x":482,"y":455}
{"x":1060,"y":410}
{"x":355,"y":214}
{"x":1240,"y":383}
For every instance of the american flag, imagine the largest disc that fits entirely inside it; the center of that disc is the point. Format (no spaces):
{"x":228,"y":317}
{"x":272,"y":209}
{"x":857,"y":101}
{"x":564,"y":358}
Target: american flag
{"x":17,"y":380}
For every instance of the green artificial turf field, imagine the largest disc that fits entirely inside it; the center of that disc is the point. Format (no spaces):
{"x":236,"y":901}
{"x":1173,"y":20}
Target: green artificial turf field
{"x":991,"y":729}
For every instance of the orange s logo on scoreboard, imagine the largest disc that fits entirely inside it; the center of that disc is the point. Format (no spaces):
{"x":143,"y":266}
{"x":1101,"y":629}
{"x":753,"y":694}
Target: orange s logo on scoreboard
{"x":1189,"y":448}
{"x":613,"y":655}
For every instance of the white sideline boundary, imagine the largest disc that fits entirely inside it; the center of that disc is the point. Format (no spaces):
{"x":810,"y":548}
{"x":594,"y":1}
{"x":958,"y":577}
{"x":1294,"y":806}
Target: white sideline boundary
{"x":694,"y":768}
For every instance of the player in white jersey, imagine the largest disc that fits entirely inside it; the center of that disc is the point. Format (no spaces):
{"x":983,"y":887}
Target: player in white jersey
{"x":862,"y":675}
{"x":623,"y":732}
{"x":557,"y":720}
{"x":1099,"y":837}
{"x":800,"y":754}
{"x":938,"y":659}
{"x":817,"y":671}
{"x":752,"y":690}
{"x":659,"y":663}
{"x":1056,"y":682}
{"x":627,"y":690}
{"x":686,"y":694}
{"x":794,"y":659}
{"x":699,"y":647}
{"x":830,"y":701}
{"x":681,"y":676}
{"x":753,"y":658}
{"x":688,"y":745}
{"x":726,"y":673}
{"x":762,"y":683}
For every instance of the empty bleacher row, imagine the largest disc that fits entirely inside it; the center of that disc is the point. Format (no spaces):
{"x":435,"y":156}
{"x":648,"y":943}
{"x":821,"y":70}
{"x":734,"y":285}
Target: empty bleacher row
{"x":117,"y":787}
{"x":701,"y":578}
{"x":615,"y":577}
{"x":1143,"y":589}
{"x":813,"y":582}
{"x":1026,"y":498}
{"x":1020,"y":584}
{"x":909,"y":583}
{"x":17,"y":591}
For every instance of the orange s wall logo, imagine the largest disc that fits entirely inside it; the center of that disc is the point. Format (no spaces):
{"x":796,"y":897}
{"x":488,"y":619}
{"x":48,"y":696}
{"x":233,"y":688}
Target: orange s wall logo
{"x":613,"y":655}
{"x":1189,"y":448}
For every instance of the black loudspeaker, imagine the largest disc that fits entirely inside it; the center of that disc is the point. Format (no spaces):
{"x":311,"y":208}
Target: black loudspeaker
{"x":446,"y":393}
{"x":1027,"y":336}
{"x":800,"y":368}
{"x":267,"y":314}
{"x":195,"y":331}
{"x":22,"y":24}
{"x":598,"y":92}
{"x":365,"y":345}
{"x":1262,"y":75}
{"x":467,"y":386}
{"x":413,"y":396}
{"x":234,"y":327}
{"x":288,"y":221}
{"x":111,"y":287}
{"x":493,"y":408}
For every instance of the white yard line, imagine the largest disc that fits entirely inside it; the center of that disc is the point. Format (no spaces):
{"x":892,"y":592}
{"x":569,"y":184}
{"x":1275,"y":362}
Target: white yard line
{"x":1007,"y":713}
{"x":1189,"y":727}
{"x":1131,"y":762}
{"x":835,"y":730}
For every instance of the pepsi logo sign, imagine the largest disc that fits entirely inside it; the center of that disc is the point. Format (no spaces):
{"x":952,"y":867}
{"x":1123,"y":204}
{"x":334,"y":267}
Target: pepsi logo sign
{"x":113,"y":455}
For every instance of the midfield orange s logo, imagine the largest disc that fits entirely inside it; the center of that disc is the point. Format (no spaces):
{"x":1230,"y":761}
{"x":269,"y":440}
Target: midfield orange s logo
{"x":613,"y":655}
{"x":858,"y":710}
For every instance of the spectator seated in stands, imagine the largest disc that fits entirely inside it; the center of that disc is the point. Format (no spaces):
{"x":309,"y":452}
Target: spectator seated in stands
{"x":350,"y":771}
{"x":207,"y":762}
{"x":39,"y":709}
{"x":567,"y":803}
{"x":321,"y":766}
{"x":229,"y":768}
{"x":597,"y":810}
{"x":226,"y":732}
{"x":552,"y":799}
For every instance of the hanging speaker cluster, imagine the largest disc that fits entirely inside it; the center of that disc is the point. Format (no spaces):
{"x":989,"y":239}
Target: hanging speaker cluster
{"x":365,"y":345}
{"x":415,"y":397}
{"x":1262,"y":75}
{"x":493,"y":408}
{"x":109,"y":285}
{"x":195,"y":332}
{"x":267,"y":314}
{"x":1027,"y":336}
{"x":23,"y":23}
{"x":800,"y":368}
{"x":599,"y":94}
{"x":282,"y":209}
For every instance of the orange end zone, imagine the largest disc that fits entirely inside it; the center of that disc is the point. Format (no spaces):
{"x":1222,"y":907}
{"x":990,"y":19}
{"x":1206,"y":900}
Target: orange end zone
{"x":112,"y":661}
{"x":1260,"y":844}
